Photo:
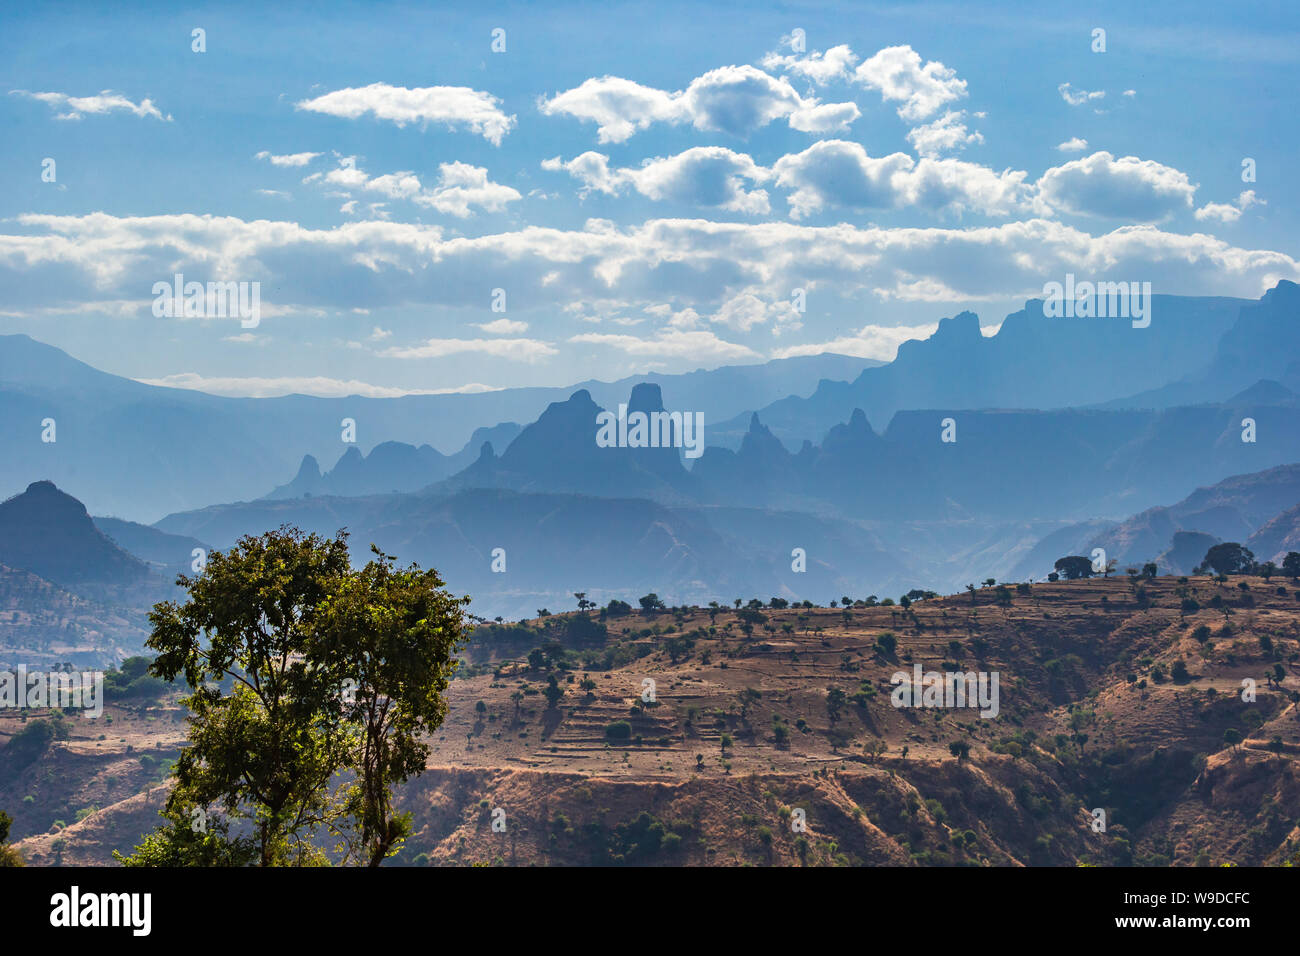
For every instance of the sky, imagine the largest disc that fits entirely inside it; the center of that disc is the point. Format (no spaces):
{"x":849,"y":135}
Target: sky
{"x":463,"y":196}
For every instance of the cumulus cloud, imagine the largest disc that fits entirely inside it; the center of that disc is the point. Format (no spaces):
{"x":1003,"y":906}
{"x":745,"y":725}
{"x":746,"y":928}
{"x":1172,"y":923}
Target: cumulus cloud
{"x":837,"y":174}
{"x":1128,"y":188}
{"x":617,"y":106}
{"x":745,"y":311}
{"x":731,"y":99}
{"x":1079,"y":97}
{"x":706,"y":176}
{"x":821,"y":68}
{"x":899,"y":75}
{"x":455,"y":107}
{"x":693,"y":264}
{"x":459,"y":191}
{"x":944,"y":135}
{"x":75,"y":107}
{"x":1072,"y":145}
{"x":288,"y":159}
{"x":1229,"y":212}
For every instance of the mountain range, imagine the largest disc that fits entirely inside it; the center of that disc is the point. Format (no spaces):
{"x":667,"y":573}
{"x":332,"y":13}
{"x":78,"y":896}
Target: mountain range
{"x":80,"y":427}
{"x":1030,"y":362}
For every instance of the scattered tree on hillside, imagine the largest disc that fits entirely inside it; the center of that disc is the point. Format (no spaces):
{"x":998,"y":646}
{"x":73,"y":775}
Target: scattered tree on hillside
{"x":1229,"y":558}
{"x":1073,"y":567}
{"x":651,"y":604}
{"x":1291,"y":564}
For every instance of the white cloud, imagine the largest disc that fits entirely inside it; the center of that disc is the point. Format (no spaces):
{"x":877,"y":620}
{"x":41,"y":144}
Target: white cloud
{"x":260,"y":387}
{"x":1072,"y":145}
{"x":670,"y":343}
{"x":75,"y":107}
{"x":450,"y":106}
{"x":731,"y":99}
{"x":274,"y":194}
{"x":617,"y":106}
{"x":288,"y":159}
{"x":898,"y":74}
{"x":504,"y":327}
{"x":745,"y":311}
{"x":461,"y":188}
{"x":520,"y":350}
{"x":943,"y":135}
{"x":839,"y":174}
{"x":1229,"y":212}
{"x":821,"y":68}
{"x":1128,"y":188}
{"x":870,"y":341}
{"x":1079,"y":97}
{"x":706,"y":176}
{"x":825,"y":118}
{"x":683,"y":263}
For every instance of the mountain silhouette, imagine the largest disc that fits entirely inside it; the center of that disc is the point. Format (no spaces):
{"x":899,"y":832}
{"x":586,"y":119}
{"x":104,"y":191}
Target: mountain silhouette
{"x":49,"y":533}
{"x":390,"y":467}
{"x":205,"y":448}
{"x":1032,"y":362}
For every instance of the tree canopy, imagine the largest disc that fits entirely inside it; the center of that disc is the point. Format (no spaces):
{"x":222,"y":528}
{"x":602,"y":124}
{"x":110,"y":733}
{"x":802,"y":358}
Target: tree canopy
{"x":311,"y":685}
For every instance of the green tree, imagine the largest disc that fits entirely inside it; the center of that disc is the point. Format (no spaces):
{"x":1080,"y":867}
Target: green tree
{"x":1230,"y":558}
{"x":266,"y":749}
{"x":835,"y":699}
{"x":651,"y":603}
{"x":1073,"y":567}
{"x":387,"y":636}
{"x":9,"y":857}
{"x":553,"y":692}
{"x":1291,"y":564}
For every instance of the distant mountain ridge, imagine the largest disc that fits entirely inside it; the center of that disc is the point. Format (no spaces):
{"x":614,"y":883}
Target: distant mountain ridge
{"x":1003,"y":464}
{"x":390,"y":466}
{"x":204,"y":448}
{"x":1032,"y":362}
{"x":1260,"y":509}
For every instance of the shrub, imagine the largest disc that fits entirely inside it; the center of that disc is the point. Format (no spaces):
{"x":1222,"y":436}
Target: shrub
{"x":618,"y":730}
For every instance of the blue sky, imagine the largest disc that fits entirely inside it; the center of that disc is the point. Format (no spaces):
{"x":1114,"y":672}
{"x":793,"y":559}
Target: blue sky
{"x":648,"y":184}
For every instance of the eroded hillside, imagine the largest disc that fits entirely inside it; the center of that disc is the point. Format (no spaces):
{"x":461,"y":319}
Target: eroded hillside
{"x":769,"y":736}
